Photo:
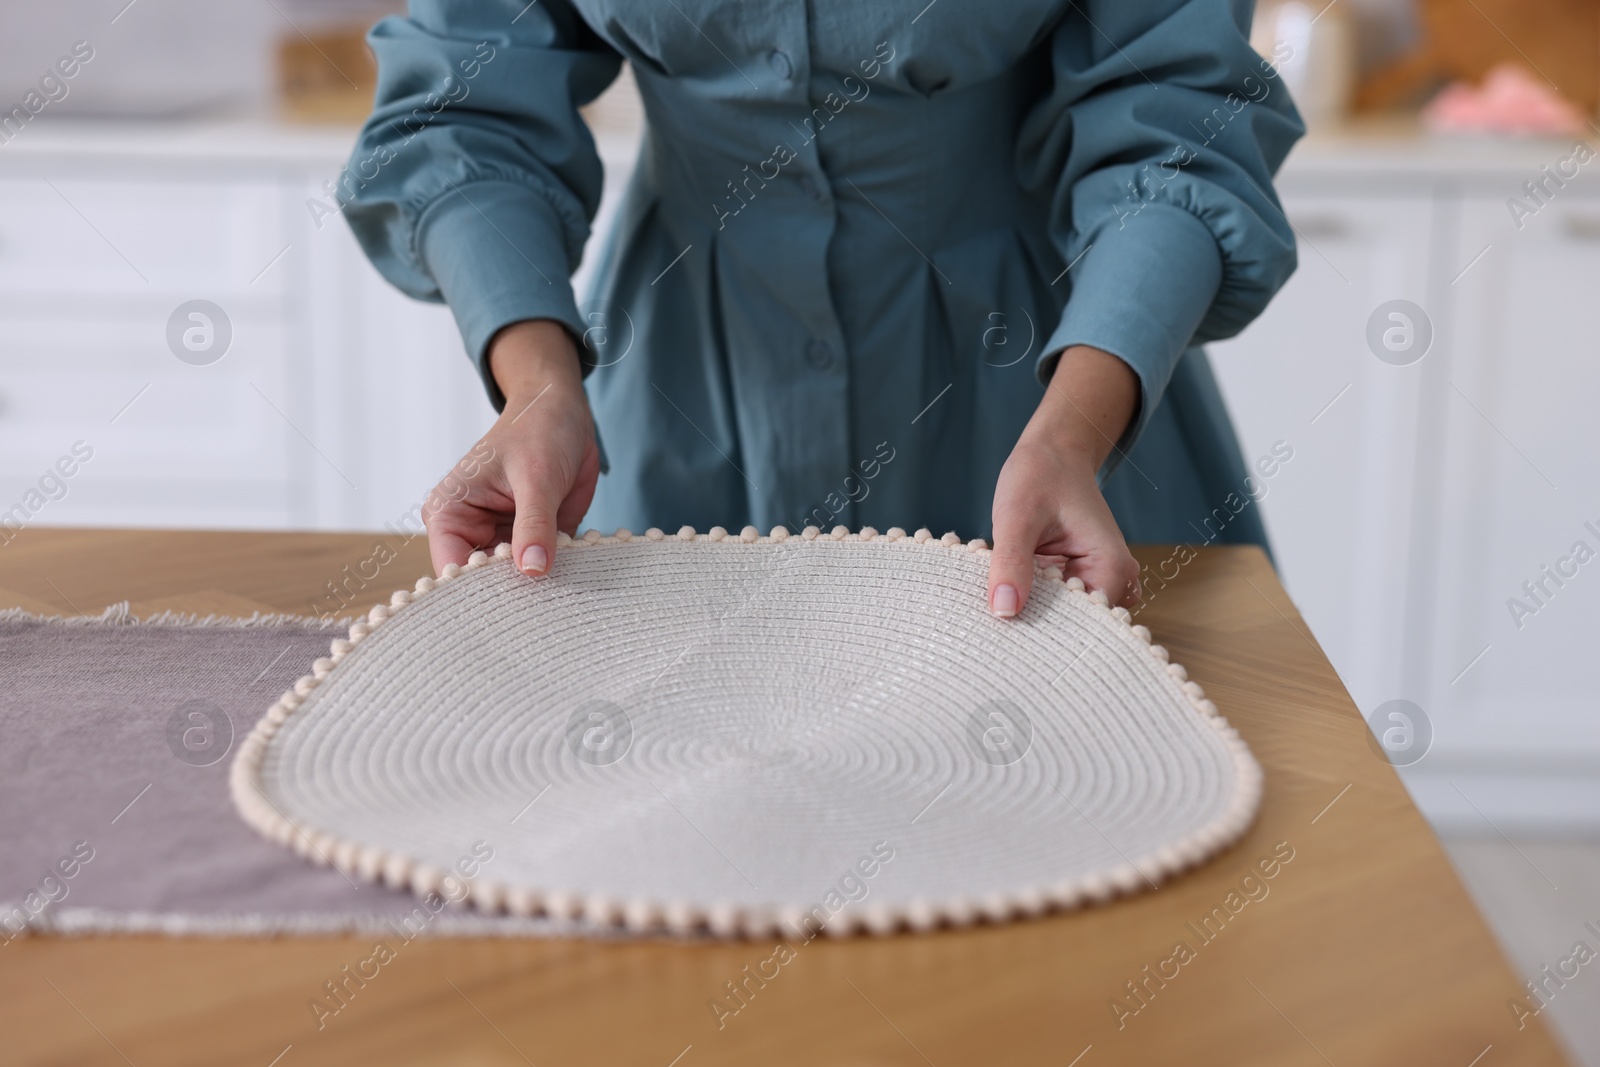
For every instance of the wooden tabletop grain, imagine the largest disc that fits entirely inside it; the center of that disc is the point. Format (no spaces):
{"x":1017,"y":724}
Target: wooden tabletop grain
{"x":1365,"y":948}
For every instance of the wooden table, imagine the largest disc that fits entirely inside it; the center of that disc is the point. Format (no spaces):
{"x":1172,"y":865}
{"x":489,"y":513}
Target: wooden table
{"x":1366,"y":951}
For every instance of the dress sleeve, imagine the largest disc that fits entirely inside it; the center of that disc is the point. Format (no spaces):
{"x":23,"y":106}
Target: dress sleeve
{"x":1155,"y":145}
{"x":475,"y":179}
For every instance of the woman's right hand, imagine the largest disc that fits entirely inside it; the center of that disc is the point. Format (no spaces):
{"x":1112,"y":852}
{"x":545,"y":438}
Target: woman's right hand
{"x":542,"y":460}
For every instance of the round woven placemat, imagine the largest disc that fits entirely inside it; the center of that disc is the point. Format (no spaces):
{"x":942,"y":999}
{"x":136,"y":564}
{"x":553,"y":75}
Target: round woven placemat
{"x":737,"y":733}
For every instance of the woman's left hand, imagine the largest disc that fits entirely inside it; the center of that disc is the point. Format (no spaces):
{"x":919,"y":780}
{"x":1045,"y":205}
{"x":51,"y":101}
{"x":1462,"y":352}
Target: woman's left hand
{"x":1047,"y":505}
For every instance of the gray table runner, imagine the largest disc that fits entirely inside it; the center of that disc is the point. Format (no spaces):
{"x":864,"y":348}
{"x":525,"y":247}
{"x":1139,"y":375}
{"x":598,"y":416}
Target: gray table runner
{"x":115,"y":741}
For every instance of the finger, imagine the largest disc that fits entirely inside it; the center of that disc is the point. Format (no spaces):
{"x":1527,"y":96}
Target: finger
{"x":447,"y":546}
{"x":1135,"y":595}
{"x":1127,"y":580}
{"x":533,"y":530}
{"x":1011,"y":563}
{"x":577,"y":501}
{"x":454,"y":528}
{"x":1115,"y":574}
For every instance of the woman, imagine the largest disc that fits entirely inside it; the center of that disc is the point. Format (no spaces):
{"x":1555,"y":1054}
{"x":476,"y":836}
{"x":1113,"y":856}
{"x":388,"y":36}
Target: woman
{"x":880,"y":264}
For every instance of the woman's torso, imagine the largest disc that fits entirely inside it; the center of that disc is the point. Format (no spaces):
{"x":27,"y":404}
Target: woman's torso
{"x":831,"y":280}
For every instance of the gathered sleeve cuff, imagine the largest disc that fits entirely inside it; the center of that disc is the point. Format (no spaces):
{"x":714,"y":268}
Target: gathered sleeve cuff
{"x":496,"y":252}
{"x":1140,"y":292}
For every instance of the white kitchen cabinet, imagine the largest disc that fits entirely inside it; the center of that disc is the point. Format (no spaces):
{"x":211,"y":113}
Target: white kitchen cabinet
{"x":338,"y":403}
{"x":1520,"y":446}
{"x":1425,"y":497}
{"x":92,"y":263}
{"x":1338,"y":512}
{"x":1517,"y":492}
{"x":85,"y":231}
{"x":395,"y":402}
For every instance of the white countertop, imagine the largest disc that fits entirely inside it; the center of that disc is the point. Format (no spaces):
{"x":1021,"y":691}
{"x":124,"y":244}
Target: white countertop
{"x":1388,"y":148}
{"x":248,"y":141}
{"x":1404,"y":146}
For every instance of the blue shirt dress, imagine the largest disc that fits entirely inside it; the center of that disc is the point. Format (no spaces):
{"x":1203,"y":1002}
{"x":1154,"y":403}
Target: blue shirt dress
{"x":858,"y":235}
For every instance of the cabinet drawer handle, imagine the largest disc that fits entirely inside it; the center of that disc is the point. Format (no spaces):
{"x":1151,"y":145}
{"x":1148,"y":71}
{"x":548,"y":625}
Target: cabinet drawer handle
{"x":1582,"y":227}
{"x":1313,"y":227}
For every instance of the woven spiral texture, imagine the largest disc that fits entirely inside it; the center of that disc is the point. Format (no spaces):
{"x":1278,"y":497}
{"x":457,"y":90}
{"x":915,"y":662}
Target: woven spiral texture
{"x":735,"y":734}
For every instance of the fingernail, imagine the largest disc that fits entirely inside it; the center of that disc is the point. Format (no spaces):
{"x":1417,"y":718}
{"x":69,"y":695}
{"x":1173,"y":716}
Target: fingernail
{"x":534,"y":560}
{"x":1004,"y":602}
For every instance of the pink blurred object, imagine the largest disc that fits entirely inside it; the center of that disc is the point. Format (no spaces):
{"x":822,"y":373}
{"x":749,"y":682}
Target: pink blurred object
{"x":1510,"y":101}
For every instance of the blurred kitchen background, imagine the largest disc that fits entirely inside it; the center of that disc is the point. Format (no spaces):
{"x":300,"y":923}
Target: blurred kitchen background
{"x":1432,"y":365}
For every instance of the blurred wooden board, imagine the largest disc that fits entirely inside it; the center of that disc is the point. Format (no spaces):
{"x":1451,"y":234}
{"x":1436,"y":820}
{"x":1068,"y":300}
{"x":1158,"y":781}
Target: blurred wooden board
{"x":1556,"y":41}
{"x":328,"y":75}
{"x":1364,"y":950}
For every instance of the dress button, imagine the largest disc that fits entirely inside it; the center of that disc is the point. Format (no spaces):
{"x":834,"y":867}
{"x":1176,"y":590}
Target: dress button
{"x":819,"y":355}
{"x":780,"y":64}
